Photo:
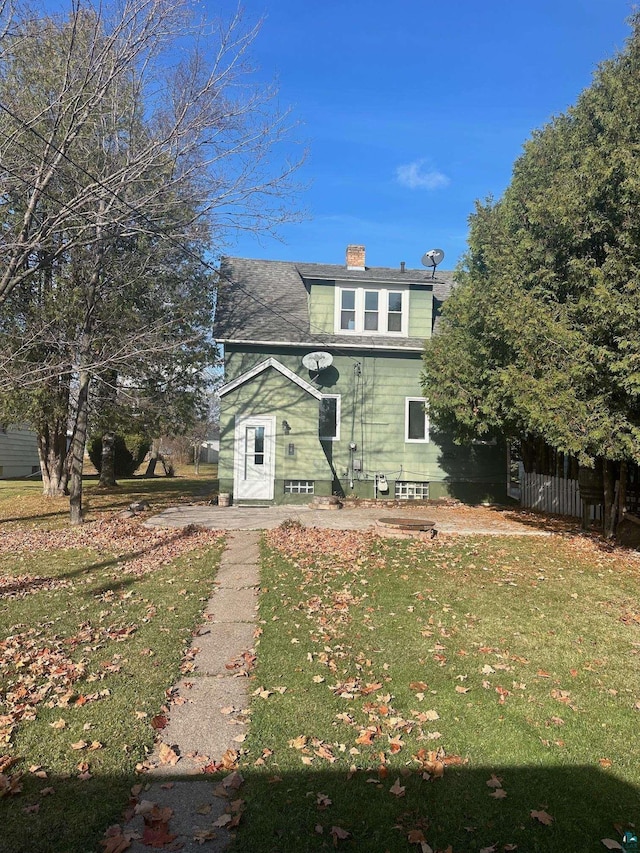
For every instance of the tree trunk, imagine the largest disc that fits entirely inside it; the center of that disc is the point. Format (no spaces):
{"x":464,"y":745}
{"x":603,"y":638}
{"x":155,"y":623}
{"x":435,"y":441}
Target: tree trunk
{"x":609,"y":472}
{"x":52,"y":453}
{"x":153,"y":458}
{"x":196,"y":457}
{"x":622,"y":494}
{"x":108,"y":469}
{"x":78,"y":443}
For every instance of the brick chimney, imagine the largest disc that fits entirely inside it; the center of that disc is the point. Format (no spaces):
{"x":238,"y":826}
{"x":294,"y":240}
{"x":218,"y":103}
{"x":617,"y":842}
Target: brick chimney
{"x":355,"y":257}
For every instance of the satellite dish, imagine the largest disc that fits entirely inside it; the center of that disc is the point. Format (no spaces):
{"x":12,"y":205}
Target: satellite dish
{"x":317,"y":361}
{"x":432,"y":258}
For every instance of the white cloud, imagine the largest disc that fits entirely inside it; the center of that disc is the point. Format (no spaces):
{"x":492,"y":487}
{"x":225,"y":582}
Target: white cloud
{"x":418,"y":176}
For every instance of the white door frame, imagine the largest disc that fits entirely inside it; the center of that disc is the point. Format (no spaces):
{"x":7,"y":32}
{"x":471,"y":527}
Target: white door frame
{"x":260,"y":486}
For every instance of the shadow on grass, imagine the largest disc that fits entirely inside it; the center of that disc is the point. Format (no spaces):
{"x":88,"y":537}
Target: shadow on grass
{"x":26,"y":587}
{"x":285,"y":814}
{"x":457,"y":810}
{"x":98,"y":499}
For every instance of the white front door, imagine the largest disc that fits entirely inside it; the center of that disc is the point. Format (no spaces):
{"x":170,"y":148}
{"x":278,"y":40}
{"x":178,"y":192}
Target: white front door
{"x":254,"y":458}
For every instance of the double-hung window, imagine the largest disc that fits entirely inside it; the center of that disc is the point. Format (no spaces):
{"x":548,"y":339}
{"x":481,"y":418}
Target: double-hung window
{"x":348,"y":310}
{"x":416,"y":420}
{"x":372,"y":311}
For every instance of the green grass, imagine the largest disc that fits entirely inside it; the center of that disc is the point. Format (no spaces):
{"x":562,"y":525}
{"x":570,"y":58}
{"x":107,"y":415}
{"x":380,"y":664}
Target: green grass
{"x":92,"y":635}
{"x":554,"y":622}
{"x":22,"y":501}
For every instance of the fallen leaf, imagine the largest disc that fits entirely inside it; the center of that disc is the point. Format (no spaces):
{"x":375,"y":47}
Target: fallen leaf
{"x":323,"y":801}
{"x":233,"y":781}
{"x":167,"y":755}
{"x":339,"y":834}
{"x":397,"y":789}
{"x":542,"y":817}
{"x":203,"y":834}
{"x":610,"y":844}
{"x":115,"y":841}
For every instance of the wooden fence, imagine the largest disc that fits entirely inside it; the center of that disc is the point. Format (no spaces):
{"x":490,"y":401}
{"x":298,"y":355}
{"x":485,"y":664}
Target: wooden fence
{"x":554,"y":495}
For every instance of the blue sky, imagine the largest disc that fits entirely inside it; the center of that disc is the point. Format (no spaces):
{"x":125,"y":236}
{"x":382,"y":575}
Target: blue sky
{"x":412,"y":110}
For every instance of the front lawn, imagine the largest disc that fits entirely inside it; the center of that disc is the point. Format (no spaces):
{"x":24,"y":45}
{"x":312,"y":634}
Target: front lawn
{"x":469,"y":694}
{"x":21,"y":501}
{"x":94,"y":622}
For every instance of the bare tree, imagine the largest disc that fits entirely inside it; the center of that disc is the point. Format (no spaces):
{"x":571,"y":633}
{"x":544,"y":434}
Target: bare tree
{"x":131,"y":140}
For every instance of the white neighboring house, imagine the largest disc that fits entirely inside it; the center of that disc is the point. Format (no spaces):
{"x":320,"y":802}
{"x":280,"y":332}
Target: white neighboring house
{"x":18,"y":452}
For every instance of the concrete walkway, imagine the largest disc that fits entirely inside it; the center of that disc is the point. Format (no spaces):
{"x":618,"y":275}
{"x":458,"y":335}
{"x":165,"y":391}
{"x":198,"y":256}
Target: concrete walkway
{"x":209,"y":712}
{"x":465,"y":520}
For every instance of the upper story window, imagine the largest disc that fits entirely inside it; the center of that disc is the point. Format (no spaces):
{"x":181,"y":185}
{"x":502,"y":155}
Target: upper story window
{"x":367,"y":311}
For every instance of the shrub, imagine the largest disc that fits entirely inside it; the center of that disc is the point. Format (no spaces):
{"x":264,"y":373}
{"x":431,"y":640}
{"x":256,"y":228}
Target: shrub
{"x":129,"y":452}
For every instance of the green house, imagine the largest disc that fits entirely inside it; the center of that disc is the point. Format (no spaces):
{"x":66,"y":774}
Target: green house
{"x":322,"y":388}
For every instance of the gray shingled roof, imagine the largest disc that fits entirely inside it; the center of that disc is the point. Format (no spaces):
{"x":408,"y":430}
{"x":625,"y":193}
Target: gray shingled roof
{"x":268,"y":300}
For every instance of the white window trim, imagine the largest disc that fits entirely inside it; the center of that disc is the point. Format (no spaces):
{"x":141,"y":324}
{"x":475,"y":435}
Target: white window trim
{"x":338,"y":399}
{"x":408,"y":440}
{"x":383,"y":311}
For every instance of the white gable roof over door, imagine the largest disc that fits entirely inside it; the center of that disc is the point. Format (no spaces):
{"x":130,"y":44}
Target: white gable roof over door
{"x":265,"y":365}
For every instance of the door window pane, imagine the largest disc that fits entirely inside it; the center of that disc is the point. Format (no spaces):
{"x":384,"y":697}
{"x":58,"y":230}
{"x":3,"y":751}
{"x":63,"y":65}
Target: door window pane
{"x":328,"y":423}
{"x":255,"y":444}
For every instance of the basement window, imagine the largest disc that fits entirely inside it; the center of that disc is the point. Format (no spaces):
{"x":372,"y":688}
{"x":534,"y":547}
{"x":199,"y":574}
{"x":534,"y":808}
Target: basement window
{"x":299,"y":487}
{"x":412,"y":490}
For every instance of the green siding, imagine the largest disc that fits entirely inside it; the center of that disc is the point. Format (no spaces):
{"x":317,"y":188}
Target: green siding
{"x":420,"y":312}
{"x":322,"y":307}
{"x":373,"y":388}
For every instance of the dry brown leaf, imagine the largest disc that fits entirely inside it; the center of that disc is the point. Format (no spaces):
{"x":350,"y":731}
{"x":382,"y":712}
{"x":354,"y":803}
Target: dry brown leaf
{"x":233,"y":781}
{"x":397,"y":789}
{"x":610,"y":844}
{"x":339,"y":834}
{"x":542,"y":817}
{"x":167,"y":755}
{"x":115,"y":841}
